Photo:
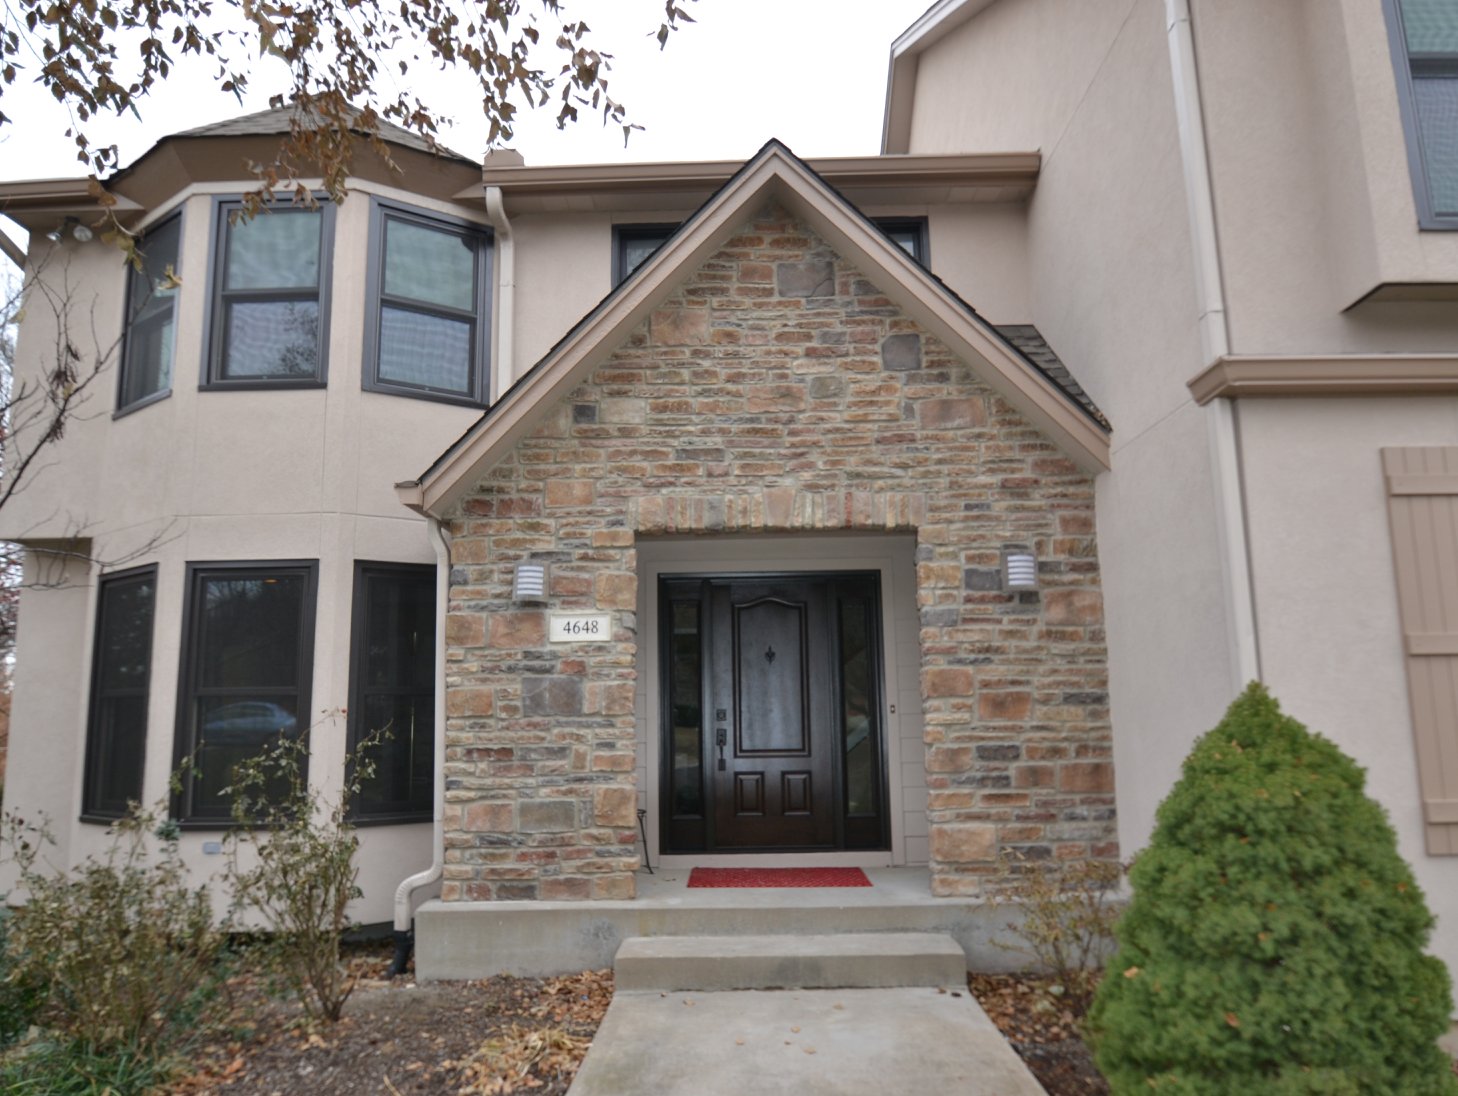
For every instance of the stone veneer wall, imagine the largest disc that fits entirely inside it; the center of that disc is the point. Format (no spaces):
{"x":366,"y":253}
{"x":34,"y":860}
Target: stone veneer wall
{"x":775,"y":391}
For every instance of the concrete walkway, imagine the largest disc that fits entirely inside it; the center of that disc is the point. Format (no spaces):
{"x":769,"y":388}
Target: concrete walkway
{"x":836,"y":1042}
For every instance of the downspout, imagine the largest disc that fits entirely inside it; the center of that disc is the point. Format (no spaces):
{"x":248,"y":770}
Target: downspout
{"x":404,"y":935}
{"x":1224,"y":438}
{"x":504,"y":372}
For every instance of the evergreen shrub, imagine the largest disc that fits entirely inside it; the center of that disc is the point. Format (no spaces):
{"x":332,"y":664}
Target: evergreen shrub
{"x":1274,"y":941}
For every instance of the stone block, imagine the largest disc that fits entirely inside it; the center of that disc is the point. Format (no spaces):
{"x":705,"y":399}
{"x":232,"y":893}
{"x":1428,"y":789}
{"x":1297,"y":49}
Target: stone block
{"x":569,"y":888}
{"x":615,"y":805}
{"x":465,"y":630}
{"x":1072,"y":608}
{"x":469,"y":700}
{"x":517,"y":630}
{"x":547,"y":816}
{"x":949,"y":759}
{"x":564,"y":492}
{"x":901,"y":353}
{"x":944,"y":414}
{"x":946,"y":681}
{"x":619,"y":886}
{"x":489,"y":818}
{"x":807,"y":278}
{"x":1004,"y":705}
{"x":963,"y":842}
{"x":1086,"y":776}
{"x":680,"y":326}
{"x":553,"y":695}
{"x":616,"y":590}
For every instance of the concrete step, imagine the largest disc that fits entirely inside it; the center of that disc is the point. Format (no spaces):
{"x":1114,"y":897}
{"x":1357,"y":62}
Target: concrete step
{"x":871,"y":960}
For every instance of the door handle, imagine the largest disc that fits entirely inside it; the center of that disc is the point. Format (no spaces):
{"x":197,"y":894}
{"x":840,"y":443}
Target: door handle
{"x":721,"y":736}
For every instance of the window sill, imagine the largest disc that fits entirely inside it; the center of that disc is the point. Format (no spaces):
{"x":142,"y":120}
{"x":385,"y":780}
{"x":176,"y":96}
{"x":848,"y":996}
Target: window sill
{"x":260,"y":386}
{"x":422,"y":394}
{"x":373,"y":820}
{"x":145,"y":401}
{"x":91,"y":819}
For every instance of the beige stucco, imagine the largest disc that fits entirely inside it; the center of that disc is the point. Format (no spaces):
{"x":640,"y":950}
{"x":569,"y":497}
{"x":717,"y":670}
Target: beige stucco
{"x":1321,"y":560}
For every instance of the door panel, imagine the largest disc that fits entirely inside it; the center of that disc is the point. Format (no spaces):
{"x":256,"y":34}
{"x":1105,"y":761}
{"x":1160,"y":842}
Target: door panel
{"x":780,"y":677}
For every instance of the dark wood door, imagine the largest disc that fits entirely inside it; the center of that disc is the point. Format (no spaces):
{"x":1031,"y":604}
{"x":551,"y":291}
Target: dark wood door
{"x":771,"y":713}
{"x":771,"y":690}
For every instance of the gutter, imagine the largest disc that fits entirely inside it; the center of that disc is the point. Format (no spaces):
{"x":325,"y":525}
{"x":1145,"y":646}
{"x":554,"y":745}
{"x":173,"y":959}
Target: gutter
{"x":404,"y":934}
{"x":1215,"y":342}
{"x":504,"y":372}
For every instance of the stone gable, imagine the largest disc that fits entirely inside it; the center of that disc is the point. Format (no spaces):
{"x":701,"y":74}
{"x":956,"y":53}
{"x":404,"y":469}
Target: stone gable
{"x":775,"y":391}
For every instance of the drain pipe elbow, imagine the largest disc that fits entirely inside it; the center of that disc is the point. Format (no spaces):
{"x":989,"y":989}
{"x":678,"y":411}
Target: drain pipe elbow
{"x":404,"y":931}
{"x":504,"y":371}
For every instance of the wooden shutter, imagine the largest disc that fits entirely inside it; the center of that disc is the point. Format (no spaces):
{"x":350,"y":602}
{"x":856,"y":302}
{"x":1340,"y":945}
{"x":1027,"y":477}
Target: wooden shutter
{"x":1422,"y":500}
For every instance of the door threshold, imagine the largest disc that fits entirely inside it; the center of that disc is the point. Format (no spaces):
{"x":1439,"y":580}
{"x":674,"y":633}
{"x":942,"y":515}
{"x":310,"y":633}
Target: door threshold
{"x":871,"y":859}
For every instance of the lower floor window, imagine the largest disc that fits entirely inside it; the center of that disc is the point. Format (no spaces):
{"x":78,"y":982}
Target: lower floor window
{"x":392,"y":703}
{"x":116,"y":734}
{"x":248,"y":650}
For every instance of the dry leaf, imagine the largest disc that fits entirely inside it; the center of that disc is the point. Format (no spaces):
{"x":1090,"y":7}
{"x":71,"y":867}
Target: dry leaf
{"x":808,"y":1050}
{"x":795,"y":1030}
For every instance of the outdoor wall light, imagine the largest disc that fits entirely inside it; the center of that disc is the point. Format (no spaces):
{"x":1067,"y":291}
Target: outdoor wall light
{"x":1019,"y":570}
{"x":530,"y":582}
{"x":78,"y":231}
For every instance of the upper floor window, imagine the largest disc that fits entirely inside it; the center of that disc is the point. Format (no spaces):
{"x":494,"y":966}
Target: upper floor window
{"x":1424,"y":37}
{"x":146,"y":359}
{"x":633,"y":244}
{"x":121,"y":671}
{"x":270,"y":292}
{"x":247,"y":667}
{"x":907,"y":233}
{"x":428,"y":317}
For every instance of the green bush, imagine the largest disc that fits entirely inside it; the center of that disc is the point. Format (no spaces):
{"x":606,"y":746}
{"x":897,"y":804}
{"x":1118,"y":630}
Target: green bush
{"x":1274,"y":940}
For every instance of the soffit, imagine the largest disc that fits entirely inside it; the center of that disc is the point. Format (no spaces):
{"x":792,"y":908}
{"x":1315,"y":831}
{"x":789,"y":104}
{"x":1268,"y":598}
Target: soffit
{"x":775,"y":174}
{"x":863,"y":180}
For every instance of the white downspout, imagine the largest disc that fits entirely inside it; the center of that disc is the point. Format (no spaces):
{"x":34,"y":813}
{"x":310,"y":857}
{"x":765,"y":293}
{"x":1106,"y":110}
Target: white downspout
{"x":1215,"y":342}
{"x":503,"y":372}
{"x":407,"y":888}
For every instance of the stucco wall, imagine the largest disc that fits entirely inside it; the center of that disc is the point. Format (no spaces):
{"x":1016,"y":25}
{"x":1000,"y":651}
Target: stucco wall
{"x":775,"y":391}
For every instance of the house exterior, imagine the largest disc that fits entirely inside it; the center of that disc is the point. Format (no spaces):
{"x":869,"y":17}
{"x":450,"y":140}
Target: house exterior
{"x":898,"y":510}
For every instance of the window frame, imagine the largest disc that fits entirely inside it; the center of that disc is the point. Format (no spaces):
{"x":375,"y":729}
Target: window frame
{"x":91,"y":811}
{"x":183,"y":807}
{"x":381,"y":211}
{"x":629,"y":231}
{"x":1404,"y":64}
{"x":124,"y":369}
{"x":364,"y":570}
{"x":214,"y":327}
{"x":917,"y":225}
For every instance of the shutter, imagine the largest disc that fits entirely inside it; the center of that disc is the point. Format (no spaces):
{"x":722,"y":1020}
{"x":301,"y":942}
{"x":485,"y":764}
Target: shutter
{"x":1422,"y":501}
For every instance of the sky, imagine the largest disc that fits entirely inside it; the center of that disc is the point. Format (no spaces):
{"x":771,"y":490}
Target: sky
{"x":810,"y":72}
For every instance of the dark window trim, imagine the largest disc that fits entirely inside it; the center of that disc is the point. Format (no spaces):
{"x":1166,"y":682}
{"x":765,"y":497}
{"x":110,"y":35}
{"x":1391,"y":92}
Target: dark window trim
{"x":628,"y":231}
{"x":185,"y":739}
{"x":211,"y":379}
{"x":382,"y":209}
{"x":362,"y":569}
{"x":89,"y":813}
{"x":124,"y":358}
{"x":1403,"y":64}
{"x":888,"y":225}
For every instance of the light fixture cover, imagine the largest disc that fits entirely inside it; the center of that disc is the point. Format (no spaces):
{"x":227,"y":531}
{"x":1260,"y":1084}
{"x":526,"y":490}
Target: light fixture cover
{"x":1020,"y":570}
{"x":530,"y":582}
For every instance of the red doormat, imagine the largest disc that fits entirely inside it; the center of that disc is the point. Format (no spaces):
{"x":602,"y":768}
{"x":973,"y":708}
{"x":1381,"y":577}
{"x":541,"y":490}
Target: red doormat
{"x":778,"y":877}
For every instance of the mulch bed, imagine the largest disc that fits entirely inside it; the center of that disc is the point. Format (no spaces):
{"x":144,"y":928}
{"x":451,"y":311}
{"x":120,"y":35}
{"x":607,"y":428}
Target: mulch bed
{"x":1043,"y":1031}
{"x":508,"y":1035}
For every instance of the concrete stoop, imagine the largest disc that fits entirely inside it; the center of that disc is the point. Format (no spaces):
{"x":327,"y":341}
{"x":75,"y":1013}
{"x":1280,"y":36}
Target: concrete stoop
{"x":844,"y":1014}
{"x":821,"y":961}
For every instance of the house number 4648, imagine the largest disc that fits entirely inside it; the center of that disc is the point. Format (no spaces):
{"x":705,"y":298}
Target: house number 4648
{"x":579,"y":627}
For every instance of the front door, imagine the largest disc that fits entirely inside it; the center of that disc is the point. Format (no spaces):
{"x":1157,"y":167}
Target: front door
{"x":772,"y":713}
